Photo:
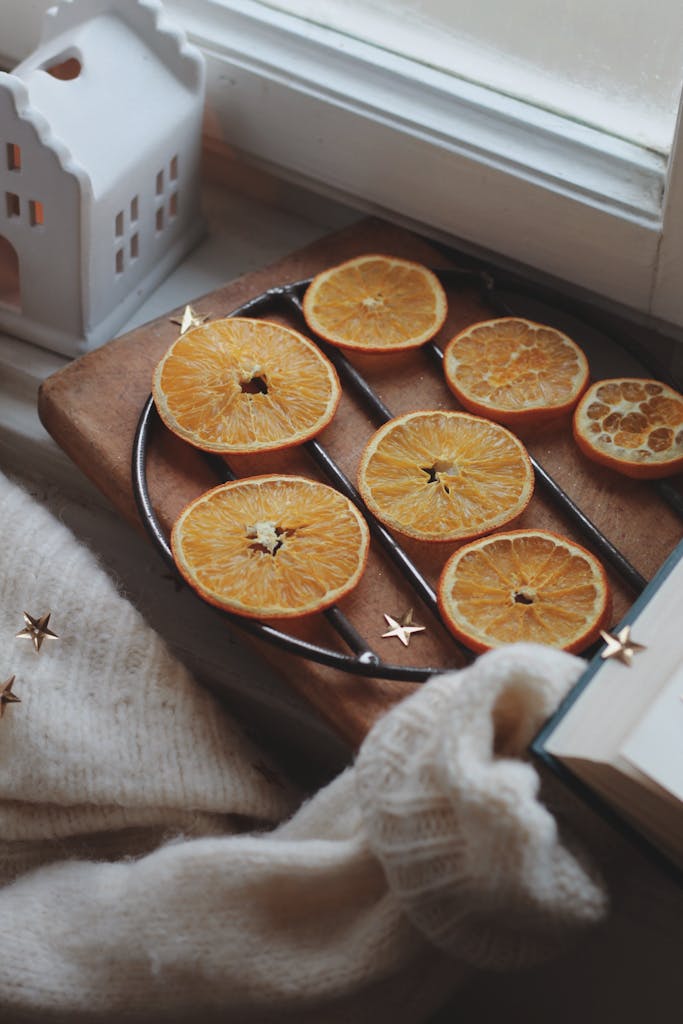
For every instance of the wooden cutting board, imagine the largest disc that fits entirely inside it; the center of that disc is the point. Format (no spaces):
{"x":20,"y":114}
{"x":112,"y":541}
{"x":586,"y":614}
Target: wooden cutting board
{"x":91,"y":408}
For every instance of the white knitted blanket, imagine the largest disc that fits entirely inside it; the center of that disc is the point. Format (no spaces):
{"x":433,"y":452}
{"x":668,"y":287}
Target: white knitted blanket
{"x":144,"y":878}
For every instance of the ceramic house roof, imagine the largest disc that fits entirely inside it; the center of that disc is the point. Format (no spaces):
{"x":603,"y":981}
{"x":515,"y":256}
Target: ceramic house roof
{"x":129,"y":82}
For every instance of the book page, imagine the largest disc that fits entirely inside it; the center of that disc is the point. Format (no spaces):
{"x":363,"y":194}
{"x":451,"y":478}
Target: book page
{"x":655,"y":745}
{"x":619,"y":696}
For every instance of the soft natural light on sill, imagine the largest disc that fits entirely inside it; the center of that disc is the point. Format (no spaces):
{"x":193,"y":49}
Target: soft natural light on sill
{"x":617,"y":66}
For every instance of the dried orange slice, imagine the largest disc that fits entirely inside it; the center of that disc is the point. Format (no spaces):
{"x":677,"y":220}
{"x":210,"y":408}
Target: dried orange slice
{"x":376,"y":303}
{"x":444,"y":476}
{"x":515,"y":371}
{"x":271,"y":546}
{"x":524,"y":585}
{"x":242,"y":385}
{"x":634,"y":426}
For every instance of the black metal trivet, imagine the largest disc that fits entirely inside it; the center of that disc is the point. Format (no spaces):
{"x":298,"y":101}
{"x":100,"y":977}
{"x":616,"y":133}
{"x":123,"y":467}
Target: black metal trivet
{"x":363,"y":660}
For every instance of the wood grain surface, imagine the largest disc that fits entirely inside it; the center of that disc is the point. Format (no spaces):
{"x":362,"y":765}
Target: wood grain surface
{"x":92,"y":408}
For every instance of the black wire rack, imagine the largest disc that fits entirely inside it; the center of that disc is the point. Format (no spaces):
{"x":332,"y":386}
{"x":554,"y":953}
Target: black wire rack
{"x":360,"y":658}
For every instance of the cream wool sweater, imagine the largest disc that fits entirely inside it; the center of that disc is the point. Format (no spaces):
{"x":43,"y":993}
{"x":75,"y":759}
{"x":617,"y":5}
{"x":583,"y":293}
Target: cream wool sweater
{"x":151,"y":872}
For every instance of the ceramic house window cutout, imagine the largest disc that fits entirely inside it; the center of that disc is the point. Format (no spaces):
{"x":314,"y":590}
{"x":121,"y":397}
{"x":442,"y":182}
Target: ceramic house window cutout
{"x":13,"y":157}
{"x":10,"y":295}
{"x":99,"y":170}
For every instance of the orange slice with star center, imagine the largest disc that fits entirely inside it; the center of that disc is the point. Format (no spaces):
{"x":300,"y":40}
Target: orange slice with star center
{"x":445,"y":476}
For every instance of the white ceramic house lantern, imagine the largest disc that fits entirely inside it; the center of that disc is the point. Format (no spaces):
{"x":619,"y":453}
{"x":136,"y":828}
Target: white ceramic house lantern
{"x":100,"y":135}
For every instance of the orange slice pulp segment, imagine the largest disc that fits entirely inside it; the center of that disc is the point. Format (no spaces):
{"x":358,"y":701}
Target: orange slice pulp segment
{"x":524,"y":585}
{"x":242,"y":385}
{"x":445,"y":476}
{"x":515,"y":371}
{"x":271,"y":546}
{"x":376,"y":303}
{"x":633,"y":426}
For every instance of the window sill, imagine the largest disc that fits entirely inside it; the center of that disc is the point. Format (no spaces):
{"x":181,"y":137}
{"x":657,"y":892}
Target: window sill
{"x":422,"y":147}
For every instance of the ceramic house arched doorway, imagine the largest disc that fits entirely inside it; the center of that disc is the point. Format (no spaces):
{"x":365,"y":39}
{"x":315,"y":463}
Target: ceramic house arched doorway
{"x":10,"y":286}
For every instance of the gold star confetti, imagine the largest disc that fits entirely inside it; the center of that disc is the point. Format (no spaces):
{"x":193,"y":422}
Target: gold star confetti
{"x":403,"y":628}
{"x":620,"y":646}
{"x":6,"y":695}
{"x":190,"y":318}
{"x":36,"y":630}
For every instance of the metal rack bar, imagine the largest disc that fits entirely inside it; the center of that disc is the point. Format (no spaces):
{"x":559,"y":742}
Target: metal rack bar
{"x":348,"y":632}
{"x":670,"y":495}
{"x":364,"y":664}
{"x":388,"y":542}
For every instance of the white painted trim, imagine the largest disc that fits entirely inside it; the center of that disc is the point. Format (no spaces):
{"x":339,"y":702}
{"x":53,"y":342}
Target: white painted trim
{"x":667,"y":292}
{"x":489,"y":127}
{"x":458,"y":158}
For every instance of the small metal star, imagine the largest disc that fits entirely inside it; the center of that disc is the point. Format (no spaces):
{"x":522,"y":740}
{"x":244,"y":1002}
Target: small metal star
{"x":36,"y":630}
{"x":620,"y":646}
{"x":190,"y":318}
{"x":403,"y":627}
{"x":6,"y":695}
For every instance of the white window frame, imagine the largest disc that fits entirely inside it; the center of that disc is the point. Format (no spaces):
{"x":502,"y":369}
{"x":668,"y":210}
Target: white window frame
{"x":457,"y":160}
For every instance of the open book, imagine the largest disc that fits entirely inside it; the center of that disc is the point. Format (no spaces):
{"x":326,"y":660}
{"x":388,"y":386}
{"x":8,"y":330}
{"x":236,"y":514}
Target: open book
{"x":620,"y":730}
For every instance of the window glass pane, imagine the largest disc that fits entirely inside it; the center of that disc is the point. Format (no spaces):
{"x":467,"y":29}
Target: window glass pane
{"x":616,"y":65}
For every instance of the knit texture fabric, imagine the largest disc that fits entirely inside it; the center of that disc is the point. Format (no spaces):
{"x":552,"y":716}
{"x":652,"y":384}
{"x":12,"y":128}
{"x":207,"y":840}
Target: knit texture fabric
{"x":140,"y":883}
{"x":453,"y":815}
{"x":111,"y":733}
